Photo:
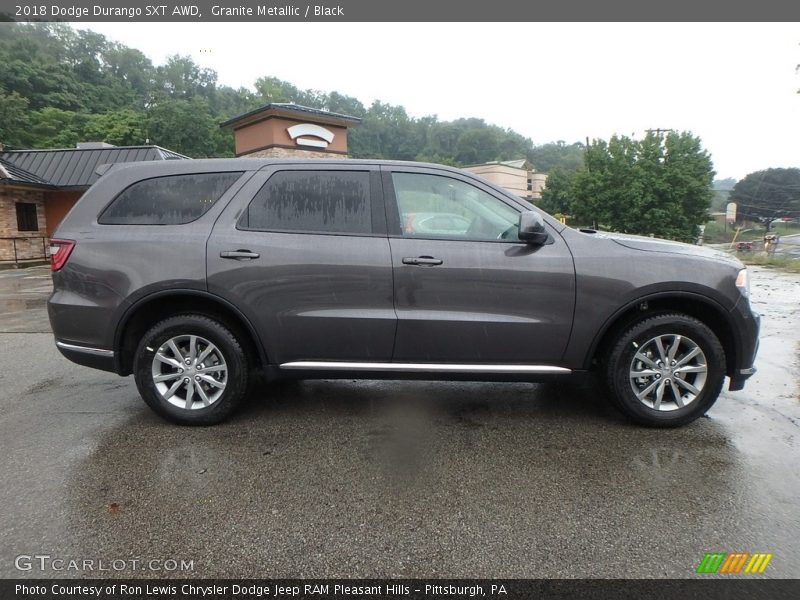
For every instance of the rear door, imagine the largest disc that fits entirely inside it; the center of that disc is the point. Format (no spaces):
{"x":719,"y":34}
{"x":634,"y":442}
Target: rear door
{"x":467,"y":290}
{"x":302,"y":251}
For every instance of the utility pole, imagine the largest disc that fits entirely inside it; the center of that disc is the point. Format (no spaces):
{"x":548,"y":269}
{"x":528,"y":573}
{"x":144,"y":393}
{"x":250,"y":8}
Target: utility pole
{"x":586,"y":160}
{"x":587,"y":153}
{"x":658,"y":131}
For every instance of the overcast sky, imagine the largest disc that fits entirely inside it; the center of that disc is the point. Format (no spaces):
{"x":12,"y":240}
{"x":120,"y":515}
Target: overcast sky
{"x":734,"y":85}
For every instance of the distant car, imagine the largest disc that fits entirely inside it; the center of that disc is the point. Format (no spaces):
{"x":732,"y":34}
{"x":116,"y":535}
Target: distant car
{"x":744,"y":246}
{"x":194,"y":275}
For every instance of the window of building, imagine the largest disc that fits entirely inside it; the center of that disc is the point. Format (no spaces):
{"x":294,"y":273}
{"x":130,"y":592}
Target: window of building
{"x":27,"y":220}
{"x":171,"y":200}
{"x":312,"y":202}
{"x":437,"y":206}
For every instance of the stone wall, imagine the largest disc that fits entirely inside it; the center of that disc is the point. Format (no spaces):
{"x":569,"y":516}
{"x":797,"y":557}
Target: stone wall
{"x":31,"y":246}
{"x":277,"y":152}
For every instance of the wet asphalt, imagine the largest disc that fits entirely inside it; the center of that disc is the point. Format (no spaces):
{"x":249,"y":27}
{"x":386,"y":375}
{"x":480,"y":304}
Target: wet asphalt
{"x":391,"y":479}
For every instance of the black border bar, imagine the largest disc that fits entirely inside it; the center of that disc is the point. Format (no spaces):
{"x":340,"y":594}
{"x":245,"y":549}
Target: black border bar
{"x":395,"y":589}
{"x":397,"y":11}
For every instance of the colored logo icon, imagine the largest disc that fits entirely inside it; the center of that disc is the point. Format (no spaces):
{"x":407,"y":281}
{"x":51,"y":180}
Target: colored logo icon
{"x":725,"y":563}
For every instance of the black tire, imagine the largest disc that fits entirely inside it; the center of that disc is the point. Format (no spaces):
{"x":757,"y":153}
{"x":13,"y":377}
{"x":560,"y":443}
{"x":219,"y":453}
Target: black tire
{"x":227,"y":354}
{"x":620,"y":363}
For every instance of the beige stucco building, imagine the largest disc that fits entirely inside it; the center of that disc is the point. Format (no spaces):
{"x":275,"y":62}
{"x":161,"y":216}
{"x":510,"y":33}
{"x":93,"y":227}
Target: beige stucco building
{"x":516,"y":176}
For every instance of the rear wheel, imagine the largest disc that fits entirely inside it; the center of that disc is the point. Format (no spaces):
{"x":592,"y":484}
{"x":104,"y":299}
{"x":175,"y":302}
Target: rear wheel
{"x":191,"y":370}
{"x":666,"y":370}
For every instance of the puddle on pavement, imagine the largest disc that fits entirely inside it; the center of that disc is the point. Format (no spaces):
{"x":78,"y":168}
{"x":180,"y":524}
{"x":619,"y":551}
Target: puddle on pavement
{"x":302,"y":463}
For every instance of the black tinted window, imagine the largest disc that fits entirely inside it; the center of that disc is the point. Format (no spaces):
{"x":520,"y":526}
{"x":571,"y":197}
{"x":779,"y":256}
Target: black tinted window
{"x":318,"y":201}
{"x":171,"y":200}
{"x":26,"y":217}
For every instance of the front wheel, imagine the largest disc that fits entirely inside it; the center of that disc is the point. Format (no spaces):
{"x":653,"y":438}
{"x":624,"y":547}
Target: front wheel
{"x":191,"y":370}
{"x":666,"y":370}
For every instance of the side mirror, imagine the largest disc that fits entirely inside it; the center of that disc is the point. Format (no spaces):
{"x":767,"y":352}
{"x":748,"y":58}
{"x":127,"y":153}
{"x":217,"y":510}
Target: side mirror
{"x":531,"y":228}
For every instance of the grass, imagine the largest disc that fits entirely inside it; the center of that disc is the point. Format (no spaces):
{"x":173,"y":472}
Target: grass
{"x":717,"y":233}
{"x":784,"y":263}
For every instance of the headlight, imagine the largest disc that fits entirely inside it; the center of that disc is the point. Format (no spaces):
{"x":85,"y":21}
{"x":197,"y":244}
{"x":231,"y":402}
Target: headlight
{"x":743,"y":283}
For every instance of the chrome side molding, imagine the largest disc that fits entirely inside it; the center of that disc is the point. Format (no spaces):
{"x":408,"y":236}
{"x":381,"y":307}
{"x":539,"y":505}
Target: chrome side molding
{"x":421,"y":367}
{"x":86,"y":349}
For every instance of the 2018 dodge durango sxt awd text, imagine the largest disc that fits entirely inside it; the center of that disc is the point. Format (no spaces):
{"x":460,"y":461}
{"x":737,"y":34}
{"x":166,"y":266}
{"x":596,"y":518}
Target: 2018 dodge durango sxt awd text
{"x":195,"y":275}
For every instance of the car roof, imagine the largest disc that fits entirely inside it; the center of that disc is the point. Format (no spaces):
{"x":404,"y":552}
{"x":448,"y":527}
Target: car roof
{"x":255,"y":164}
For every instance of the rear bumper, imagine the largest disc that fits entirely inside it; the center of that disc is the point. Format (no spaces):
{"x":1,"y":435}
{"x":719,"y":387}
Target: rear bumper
{"x":96,"y":358}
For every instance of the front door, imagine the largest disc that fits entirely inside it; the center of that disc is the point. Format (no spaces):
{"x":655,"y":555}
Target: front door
{"x":466,"y":289}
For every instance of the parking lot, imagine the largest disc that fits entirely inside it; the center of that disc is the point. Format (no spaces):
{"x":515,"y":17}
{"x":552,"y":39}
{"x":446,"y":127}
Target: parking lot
{"x":392,"y":479}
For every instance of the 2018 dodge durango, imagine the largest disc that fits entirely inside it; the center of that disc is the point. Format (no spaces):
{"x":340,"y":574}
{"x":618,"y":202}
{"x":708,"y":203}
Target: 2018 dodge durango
{"x":196,"y":275}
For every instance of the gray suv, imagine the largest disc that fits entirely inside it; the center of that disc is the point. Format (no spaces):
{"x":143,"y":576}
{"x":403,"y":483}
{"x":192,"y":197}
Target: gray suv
{"x":198,"y":277}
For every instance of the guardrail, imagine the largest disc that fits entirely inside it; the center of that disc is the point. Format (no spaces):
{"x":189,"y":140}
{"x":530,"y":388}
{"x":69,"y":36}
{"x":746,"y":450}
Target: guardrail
{"x":23,"y":248}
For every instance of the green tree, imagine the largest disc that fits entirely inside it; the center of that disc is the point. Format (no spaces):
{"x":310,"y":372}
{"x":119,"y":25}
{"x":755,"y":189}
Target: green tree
{"x":272,"y":89}
{"x":768,"y":195}
{"x":346,"y":105}
{"x":724,"y":185}
{"x":559,"y":192}
{"x":56,"y":128}
{"x":185,"y":126}
{"x":386,"y":132}
{"x":35,"y":66}
{"x":722,"y":191}
{"x":182,"y":78}
{"x":557,"y":155}
{"x":477,"y":145}
{"x":120,"y":128}
{"x":659,"y":186}
{"x":441,"y":139}
{"x":63,"y":85}
{"x":227,"y":102}
{"x":14,"y":121}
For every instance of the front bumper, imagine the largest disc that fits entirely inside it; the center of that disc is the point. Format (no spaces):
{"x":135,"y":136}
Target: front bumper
{"x":748,"y":325}
{"x":739,"y":378}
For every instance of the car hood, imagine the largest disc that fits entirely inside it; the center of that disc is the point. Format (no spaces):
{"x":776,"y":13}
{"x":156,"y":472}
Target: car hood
{"x":648,"y":244}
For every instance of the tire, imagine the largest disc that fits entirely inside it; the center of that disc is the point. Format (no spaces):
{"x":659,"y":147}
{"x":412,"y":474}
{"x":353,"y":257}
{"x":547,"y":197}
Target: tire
{"x":678,"y":382}
{"x":213,"y":387}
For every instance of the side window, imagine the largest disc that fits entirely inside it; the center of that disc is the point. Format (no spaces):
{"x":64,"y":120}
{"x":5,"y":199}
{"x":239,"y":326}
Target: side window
{"x":313,"y":202}
{"x":171,"y":200}
{"x":437,"y":206}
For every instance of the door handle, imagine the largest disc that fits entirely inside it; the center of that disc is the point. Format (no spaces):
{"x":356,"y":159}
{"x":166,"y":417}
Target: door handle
{"x":426,"y":261}
{"x":238,"y":254}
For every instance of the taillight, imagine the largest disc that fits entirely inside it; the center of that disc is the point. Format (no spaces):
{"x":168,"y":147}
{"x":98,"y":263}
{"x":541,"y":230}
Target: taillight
{"x":59,"y":253}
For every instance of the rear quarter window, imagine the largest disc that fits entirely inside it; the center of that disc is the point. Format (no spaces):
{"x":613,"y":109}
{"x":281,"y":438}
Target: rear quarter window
{"x":310,"y":201}
{"x":169,"y":200}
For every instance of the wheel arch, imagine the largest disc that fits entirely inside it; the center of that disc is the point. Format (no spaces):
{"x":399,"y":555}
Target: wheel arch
{"x":157,"y":306}
{"x":700,"y":307}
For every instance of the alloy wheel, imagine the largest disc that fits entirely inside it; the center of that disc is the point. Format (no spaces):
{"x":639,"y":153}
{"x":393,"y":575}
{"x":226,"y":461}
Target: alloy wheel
{"x":668,"y":372}
{"x":189,"y":372}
